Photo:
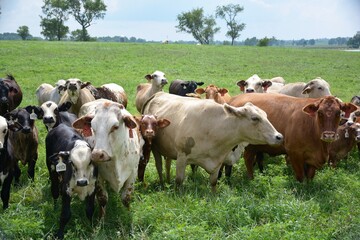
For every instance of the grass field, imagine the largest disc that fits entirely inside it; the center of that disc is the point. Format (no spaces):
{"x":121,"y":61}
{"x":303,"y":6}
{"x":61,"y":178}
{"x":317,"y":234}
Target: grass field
{"x":272,"y":206}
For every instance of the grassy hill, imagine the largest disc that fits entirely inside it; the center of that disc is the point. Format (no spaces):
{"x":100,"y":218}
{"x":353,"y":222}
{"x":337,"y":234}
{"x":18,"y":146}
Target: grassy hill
{"x":272,"y":206}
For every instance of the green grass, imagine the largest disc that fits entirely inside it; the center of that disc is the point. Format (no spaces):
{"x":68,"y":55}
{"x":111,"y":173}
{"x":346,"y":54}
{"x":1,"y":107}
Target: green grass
{"x":272,"y":206}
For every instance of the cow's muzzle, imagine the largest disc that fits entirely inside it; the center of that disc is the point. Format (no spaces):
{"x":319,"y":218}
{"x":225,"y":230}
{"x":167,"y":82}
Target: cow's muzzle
{"x":82,"y":182}
{"x":99,"y":155}
{"x":329,"y":136}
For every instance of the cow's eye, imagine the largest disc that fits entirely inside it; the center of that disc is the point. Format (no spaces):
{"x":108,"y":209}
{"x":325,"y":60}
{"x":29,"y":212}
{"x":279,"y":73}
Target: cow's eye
{"x":5,"y":130}
{"x":114,"y":128}
{"x":255,"y":118}
{"x":320,"y":88}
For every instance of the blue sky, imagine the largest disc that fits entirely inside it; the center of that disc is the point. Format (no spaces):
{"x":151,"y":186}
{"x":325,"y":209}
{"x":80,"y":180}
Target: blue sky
{"x":156,"y":19}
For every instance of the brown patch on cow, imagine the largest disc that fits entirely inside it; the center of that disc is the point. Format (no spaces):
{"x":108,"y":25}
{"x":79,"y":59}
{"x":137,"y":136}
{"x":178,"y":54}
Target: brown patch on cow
{"x":189,"y":144}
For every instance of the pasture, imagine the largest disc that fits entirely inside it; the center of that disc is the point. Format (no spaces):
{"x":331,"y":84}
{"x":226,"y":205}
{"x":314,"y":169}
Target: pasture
{"x":272,"y":206}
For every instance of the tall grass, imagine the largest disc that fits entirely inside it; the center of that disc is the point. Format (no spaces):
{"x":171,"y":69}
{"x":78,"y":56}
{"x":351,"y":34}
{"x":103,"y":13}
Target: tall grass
{"x":272,"y":206}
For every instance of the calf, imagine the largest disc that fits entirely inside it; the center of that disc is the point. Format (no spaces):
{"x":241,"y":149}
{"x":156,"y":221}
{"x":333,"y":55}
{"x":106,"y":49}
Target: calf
{"x":308,"y":125}
{"x":182,"y":87}
{"x":254,"y":84}
{"x":149,"y":125}
{"x":10,"y":94}
{"x":117,"y":148}
{"x":23,"y":140}
{"x":219,"y":95}
{"x":110,"y":91}
{"x":77,"y":94}
{"x":71,"y":171}
{"x":315,"y":88}
{"x":46,"y":92}
{"x":6,"y":165}
{"x":52,"y":114}
{"x":146,"y":90}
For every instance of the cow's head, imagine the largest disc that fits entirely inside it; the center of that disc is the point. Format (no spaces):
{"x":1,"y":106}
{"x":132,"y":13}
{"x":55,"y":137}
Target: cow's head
{"x":75,"y":165}
{"x":317,"y":88}
{"x":254,"y":84}
{"x":258,"y":129}
{"x":189,"y":87}
{"x":149,"y":125}
{"x":158,"y":79}
{"x":327,"y":112}
{"x":60,"y":86}
{"x":4,"y":97}
{"x":22,"y":119}
{"x":3,"y":131}
{"x":212,"y":92}
{"x":110,"y":126}
{"x":73,"y":87}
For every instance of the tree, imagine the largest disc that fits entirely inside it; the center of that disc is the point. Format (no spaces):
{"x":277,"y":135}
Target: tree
{"x":354,"y":42}
{"x":229,"y":13}
{"x":57,"y":12}
{"x":23,"y":32}
{"x":202,"y":28}
{"x":264,"y":42}
{"x":85,"y":12}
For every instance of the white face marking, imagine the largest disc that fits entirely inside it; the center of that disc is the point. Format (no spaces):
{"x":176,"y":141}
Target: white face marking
{"x":3,"y":130}
{"x":73,"y":93}
{"x":49,"y":108}
{"x":159,"y":78}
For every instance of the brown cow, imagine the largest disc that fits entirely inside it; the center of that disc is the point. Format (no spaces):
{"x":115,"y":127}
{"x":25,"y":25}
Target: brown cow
{"x":10,"y":94}
{"x":220,"y":95}
{"x":149,"y":125}
{"x":308,"y":126}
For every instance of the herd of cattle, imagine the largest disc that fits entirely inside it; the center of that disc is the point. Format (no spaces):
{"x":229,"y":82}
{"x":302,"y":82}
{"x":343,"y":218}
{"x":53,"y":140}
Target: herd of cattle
{"x":93,"y":141}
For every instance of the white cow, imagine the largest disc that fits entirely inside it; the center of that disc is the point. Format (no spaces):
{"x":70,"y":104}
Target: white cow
{"x":46,"y":92}
{"x":145,"y":90}
{"x":315,"y":88}
{"x":205,"y":143}
{"x":116,"y":150}
{"x":258,"y":85}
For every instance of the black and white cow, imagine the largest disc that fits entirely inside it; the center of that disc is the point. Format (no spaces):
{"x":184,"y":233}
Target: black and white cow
{"x":6,"y":166}
{"x":182,"y":87}
{"x":68,"y":158}
{"x":23,"y":140}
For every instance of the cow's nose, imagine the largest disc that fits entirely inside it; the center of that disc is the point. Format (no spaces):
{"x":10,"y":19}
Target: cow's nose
{"x":279,"y":137}
{"x":99,"y":156}
{"x":149,"y":132}
{"x":329,"y":136}
{"x":250,"y":90}
{"x":48,"y":120}
{"x":164,"y":81}
{"x":26,"y":130}
{"x":72,"y":87}
{"x":82,"y":182}
{"x":4,"y":100}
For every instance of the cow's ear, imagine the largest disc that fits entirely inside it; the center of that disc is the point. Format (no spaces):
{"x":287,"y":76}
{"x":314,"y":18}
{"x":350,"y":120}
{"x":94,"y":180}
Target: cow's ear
{"x":12,"y":122}
{"x":241,"y":84}
{"x":230,"y":109}
{"x":138,"y":120}
{"x":84,"y":84}
{"x":200,"y":83}
{"x":148,"y":77}
{"x":311,"y":109}
{"x":64,"y":106}
{"x":307,"y":89}
{"x":223,"y":91}
{"x":200,"y":90}
{"x":162,"y":123}
{"x":33,"y":111}
{"x":347,"y":108}
{"x":65,"y":156}
{"x":266,"y":85}
{"x":83,"y":124}
{"x":129,"y":122}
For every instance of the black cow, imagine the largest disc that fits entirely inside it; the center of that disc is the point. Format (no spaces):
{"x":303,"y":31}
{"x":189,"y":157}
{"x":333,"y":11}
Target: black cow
{"x":71,"y":171}
{"x":6,"y":166}
{"x":23,"y":140}
{"x":182,"y":87}
{"x":10,"y":94}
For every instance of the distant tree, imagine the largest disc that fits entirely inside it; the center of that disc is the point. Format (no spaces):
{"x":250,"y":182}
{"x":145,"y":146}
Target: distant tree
{"x":251,"y":41}
{"x":354,"y":42}
{"x":202,"y":28}
{"x":23,"y":32}
{"x":229,"y":13}
{"x":311,"y":42}
{"x":263,"y":42}
{"x":85,"y":12}
{"x":56,"y":13}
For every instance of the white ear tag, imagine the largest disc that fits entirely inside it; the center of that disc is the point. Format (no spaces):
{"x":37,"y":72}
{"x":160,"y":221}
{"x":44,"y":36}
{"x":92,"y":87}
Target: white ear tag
{"x":11,"y":121}
{"x":184,"y":87}
{"x":33,"y":115}
{"x":60,"y":167}
{"x":346,"y":133}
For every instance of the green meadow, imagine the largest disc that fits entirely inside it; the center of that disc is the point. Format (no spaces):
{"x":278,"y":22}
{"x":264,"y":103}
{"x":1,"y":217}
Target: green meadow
{"x":272,"y":206}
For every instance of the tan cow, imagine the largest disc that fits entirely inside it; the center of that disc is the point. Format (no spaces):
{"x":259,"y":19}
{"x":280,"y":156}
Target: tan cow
{"x":307,"y":124}
{"x":145,"y":90}
{"x":190,"y":140}
{"x":219,"y":95}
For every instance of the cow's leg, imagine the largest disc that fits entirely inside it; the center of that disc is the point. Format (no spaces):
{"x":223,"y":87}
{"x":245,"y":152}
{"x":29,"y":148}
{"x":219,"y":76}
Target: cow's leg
{"x":17,"y":173}
{"x":310,"y":172}
{"x":90,"y":206}
{"x":31,"y":169}
{"x":127,"y":190}
{"x":297,"y":165}
{"x":55,"y":191}
{"x":228,"y":170}
{"x":158,"y":164}
{"x":168,"y":169}
{"x":5,"y":191}
{"x":260,"y":161}
{"x":213,"y":179}
{"x":143,"y":162}
{"x":102,"y":197}
{"x":65,"y":215}
{"x":180,"y":169}
{"x":249,"y":158}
